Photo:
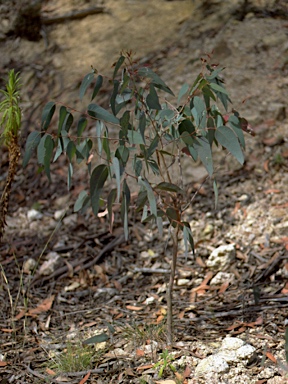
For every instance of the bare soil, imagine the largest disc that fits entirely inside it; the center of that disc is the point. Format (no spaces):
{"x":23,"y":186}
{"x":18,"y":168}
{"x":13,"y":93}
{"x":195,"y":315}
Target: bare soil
{"x":127,"y":285}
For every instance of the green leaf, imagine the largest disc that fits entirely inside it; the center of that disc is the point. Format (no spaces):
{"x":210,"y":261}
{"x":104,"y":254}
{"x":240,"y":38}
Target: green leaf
{"x":169,"y":187}
{"x":188,"y":238}
{"x":184,"y":89}
{"x":235,"y":124}
{"x":47,"y":114}
{"x":202,"y":146}
{"x":142,"y":126}
{"x":153,"y":146}
{"x":71,"y":150}
{"x":32,"y":142}
{"x":113,"y":96}
{"x":218,"y":88}
{"x":122,"y":153}
{"x":110,"y":201}
{"x":62,"y":114}
{"x":67,"y":122}
{"x":215,"y":188}
{"x":152,"y":99}
{"x":116,"y":168}
{"x":156,"y":80}
{"x":69,"y":176}
{"x":124,"y":122}
{"x":82,"y":124}
{"x":150,"y":194}
{"x":96,"y":339}
{"x":125,"y":208}
{"x":98,"y":85}
{"x":44,"y":153}
{"x":173,"y":216}
{"x":199,"y":112}
{"x":135,"y":137}
{"x":82,"y":201}
{"x":187,"y":131}
{"x":99,"y":127}
{"x":227,"y":138}
{"x":97,"y":181}
{"x":101,"y":114}
{"x":85,"y":84}
{"x":118,"y":65}
{"x":214,"y":74}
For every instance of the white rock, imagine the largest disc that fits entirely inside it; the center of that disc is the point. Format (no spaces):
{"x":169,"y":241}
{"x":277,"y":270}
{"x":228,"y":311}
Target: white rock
{"x":59,"y":214}
{"x":211,"y":364}
{"x":220,"y":257}
{"x":181,"y":282}
{"x":222,"y":277}
{"x":29,"y":265}
{"x":51,"y":264}
{"x":232,"y":343}
{"x":228,"y":355}
{"x":246,"y":352}
{"x":33,"y":214}
{"x":149,"y":300}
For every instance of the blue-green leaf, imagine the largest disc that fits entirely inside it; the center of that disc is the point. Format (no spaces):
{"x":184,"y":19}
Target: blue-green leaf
{"x":85,"y":84}
{"x":202,"y":146}
{"x":98,"y":85}
{"x":235,"y":124}
{"x":218,"y":88}
{"x":152,"y":99}
{"x":116,"y":168}
{"x":82,"y":201}
{"x":142,"y":125}
{"x":44,"y":153}
{"x":97,"y":181}
{"x":47,"y":114}
{"x":110,"y":201}
{"x":31,"y":143}
{"x":227,"y":138}
{"x":82,"y":124}
{"x":96,"y":339}
{"x":215,"y":187}
{"x":69,"y":176}
{"x":135,"y":137}
{"x":118,"y":65}
{"x":156,"y":80}
{"x":125,"y":208}
{"x":150,"y":194}
{"x":101,"y":114}
{"x":113,"y":96}
{"x":188,"y":238}
{"x":169,"y":187}
{"x":184,"y":89}
{"x":71,"y":150}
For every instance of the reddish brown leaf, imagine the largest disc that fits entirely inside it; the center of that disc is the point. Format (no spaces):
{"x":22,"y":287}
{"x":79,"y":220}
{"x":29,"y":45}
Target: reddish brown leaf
{"x":224,"y":287}
{"x":140,"y":352}
{"x":3,"y":363}
{"x":134,"y":308}
{"x":271,"y":357}
{"x":85,"y":378}
{"x":142,"y":367}
{"x":43,"y":307}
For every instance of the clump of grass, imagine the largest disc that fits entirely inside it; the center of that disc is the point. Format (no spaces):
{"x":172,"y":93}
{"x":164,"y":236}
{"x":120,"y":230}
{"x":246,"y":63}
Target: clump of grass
{"x":74,"y":358}
{"x":140,"y":333}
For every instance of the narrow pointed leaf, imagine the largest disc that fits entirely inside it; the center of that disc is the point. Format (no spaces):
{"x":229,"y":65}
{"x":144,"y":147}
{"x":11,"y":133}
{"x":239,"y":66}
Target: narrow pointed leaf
{"x":152,"y":99}
{"x":215,"y":187}
{"x":96,"y":339}
{"x":116,"y":168}
{"x":150,"y":194}
{"x":47,"y":114}
{"x":97,"y":181}
{"x":156,"y":80}
{"x":97,"y":87}
{"x":203,"y":148}
{"x":101,"y":114}
{"x":85,"y":84}
{"x":188,"y":238}
{"x":227,"y":138}
{"x":32,"y":142}
{"x":169,"y":187}
{"x":118,"y":65}
{"x":81,"y":201}
{"x":184,"y":89}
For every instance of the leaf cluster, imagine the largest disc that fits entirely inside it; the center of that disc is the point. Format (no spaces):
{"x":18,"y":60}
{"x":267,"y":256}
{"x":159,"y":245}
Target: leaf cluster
{"x":10,"y":109}
{"x":153,"y":128}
